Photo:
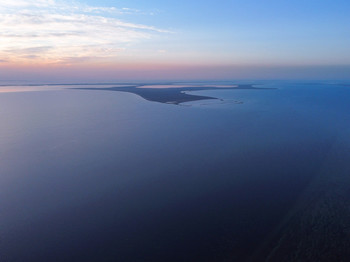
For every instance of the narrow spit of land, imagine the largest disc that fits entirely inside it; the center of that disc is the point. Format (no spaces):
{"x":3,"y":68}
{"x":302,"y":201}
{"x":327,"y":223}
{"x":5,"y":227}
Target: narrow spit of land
{"x":170,"y":94}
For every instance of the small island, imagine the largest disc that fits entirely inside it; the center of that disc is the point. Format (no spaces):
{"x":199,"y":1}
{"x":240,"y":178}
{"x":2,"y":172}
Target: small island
{"x":171,"y":94}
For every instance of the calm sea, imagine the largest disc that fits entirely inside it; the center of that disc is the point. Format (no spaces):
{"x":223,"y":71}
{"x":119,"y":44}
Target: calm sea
{"x":108,"y":176}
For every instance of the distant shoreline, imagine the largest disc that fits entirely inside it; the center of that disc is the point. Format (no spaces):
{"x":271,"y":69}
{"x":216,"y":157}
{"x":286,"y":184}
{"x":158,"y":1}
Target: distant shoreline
{"x":173,"y":94}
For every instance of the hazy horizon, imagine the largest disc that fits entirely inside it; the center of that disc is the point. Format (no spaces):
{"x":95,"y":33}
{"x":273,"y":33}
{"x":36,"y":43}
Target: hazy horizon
{"x":185,"y":73}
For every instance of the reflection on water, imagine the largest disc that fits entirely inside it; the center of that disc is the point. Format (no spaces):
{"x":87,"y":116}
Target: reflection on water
{"x":108,"y":176}
{"x":12,"y":89}
{"x":51,"y":87}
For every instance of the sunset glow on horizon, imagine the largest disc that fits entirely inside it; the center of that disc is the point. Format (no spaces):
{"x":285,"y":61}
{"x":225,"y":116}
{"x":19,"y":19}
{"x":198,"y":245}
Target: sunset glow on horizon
{"x":179,"y":40}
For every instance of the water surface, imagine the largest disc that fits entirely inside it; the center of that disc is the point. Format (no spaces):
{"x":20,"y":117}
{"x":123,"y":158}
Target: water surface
{"x":108,"y":176}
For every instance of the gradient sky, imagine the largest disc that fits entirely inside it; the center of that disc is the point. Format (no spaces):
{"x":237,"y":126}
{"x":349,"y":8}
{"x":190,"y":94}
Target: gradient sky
{"x":137,"y":39}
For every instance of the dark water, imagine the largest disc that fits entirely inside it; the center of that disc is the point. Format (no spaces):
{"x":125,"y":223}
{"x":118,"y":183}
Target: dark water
{"x":107,"y":176}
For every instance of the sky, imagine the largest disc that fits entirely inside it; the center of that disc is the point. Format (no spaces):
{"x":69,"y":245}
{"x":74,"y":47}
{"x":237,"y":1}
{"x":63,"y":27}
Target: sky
{"x":105,"y":40}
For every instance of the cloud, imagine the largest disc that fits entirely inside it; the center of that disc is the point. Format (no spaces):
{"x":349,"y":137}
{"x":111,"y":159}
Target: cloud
{"x":56,"y":31}
{"x":31,"y":50}
{"x":63,"y":6}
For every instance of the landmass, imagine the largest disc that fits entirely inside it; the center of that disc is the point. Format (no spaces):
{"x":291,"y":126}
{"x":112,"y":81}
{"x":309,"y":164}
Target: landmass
{"x":175,"y":94}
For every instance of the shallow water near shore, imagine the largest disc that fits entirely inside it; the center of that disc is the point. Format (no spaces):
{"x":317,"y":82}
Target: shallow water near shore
{"x":94,"y":175}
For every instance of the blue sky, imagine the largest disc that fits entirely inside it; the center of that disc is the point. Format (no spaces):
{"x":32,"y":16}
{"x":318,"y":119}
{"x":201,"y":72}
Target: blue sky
{"x":284,"y":32}
{"x":146,"y":34}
